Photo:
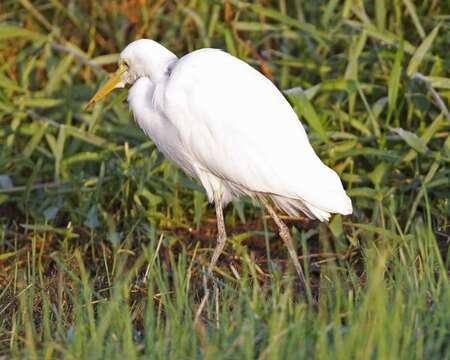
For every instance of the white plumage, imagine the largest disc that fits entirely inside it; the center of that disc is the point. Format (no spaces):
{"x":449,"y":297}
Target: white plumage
{"x":226,"y":124}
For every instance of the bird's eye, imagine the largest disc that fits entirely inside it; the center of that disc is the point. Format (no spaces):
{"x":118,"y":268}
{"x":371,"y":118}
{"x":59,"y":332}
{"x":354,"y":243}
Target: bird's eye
{"x":123,"y":66}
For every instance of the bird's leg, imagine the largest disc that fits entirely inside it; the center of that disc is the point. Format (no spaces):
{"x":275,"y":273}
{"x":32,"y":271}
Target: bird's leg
{"x":286,"y":236}
{"x":221,"y":233}
{"x":221,"y":239}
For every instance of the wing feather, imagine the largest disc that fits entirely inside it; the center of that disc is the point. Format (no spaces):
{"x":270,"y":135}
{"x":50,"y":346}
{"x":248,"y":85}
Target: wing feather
{"x":239,"y":127}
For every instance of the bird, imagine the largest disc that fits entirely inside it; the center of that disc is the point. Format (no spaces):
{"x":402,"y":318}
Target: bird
{"x":227,"y":125}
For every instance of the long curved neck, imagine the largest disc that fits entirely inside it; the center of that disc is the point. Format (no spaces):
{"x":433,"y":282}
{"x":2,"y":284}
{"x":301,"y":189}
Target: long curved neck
{"x":158,"y":67}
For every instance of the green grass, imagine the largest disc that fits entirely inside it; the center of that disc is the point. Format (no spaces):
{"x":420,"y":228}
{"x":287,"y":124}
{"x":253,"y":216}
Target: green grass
{"x":103,"y":243}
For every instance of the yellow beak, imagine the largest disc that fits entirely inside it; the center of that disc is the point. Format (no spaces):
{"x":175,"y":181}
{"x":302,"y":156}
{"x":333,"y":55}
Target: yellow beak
{"x":114,"y":82}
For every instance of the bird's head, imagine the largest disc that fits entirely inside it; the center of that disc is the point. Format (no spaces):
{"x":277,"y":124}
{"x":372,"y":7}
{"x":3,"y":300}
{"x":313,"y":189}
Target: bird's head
{"x":141,"y":58}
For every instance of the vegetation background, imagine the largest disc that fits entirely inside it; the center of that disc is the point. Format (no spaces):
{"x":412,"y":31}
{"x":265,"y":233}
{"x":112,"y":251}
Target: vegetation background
{"x":103,"y":243}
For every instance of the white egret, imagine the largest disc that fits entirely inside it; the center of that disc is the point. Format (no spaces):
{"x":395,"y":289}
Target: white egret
{"x":227,"y":125}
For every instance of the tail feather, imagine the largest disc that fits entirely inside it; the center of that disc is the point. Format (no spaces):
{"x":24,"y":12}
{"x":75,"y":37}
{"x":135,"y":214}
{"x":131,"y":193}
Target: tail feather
{"x":294,"y":207}
{"x":291,"y":206}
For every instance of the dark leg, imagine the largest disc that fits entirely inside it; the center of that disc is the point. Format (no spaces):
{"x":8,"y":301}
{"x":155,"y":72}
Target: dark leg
{"x":221,"y":233}
{"x":221,"y":240}
{"x":286,"y":236}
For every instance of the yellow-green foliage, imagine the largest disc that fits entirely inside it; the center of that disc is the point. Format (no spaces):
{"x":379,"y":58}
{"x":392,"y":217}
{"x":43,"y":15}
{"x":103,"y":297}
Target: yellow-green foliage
{"x":103,"y":242}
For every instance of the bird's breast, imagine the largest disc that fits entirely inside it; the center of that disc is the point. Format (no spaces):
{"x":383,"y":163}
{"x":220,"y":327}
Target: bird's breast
{"x":144,"y":100}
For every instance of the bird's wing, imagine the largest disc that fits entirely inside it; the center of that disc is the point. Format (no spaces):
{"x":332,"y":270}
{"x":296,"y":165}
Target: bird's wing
{"x":238,"y":126}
